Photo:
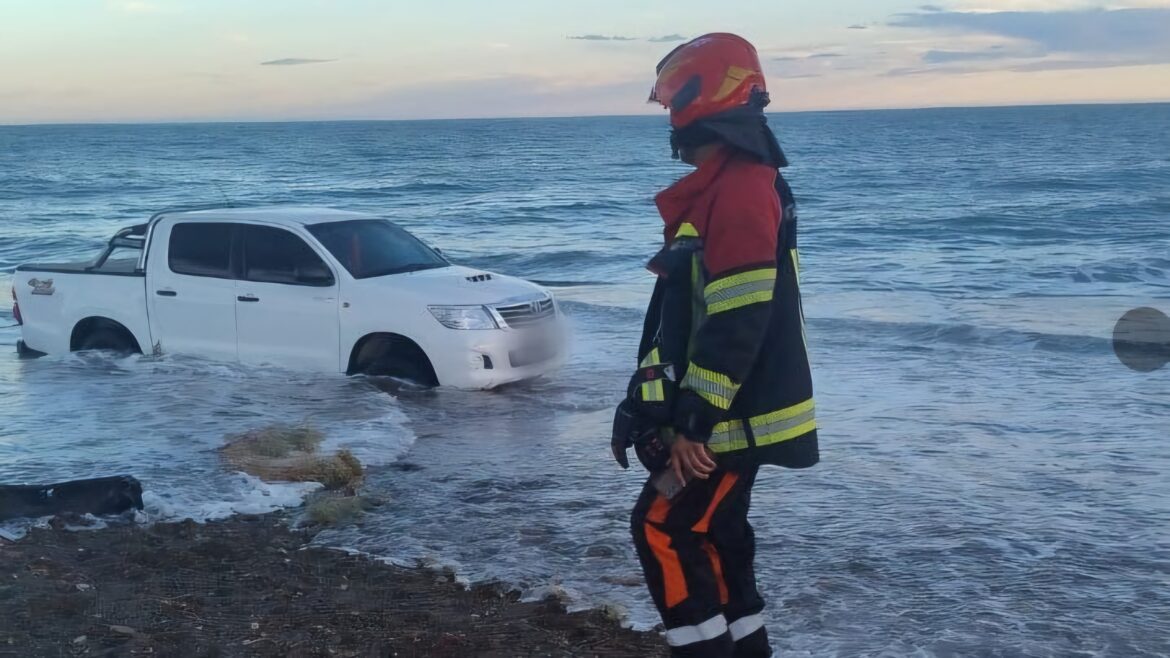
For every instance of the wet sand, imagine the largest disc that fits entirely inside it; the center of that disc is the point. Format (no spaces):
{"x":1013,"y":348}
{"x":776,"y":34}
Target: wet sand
{"x":250,"y":586}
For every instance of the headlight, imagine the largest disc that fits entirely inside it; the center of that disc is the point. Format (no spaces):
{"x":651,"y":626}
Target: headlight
{"x":463,"y":317}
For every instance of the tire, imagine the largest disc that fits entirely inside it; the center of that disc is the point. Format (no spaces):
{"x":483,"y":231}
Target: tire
{"x":398,"y":358}
{"x":107,"y":340}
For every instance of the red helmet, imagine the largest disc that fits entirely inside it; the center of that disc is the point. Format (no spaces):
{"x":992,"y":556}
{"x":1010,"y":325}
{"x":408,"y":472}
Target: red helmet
{"x":706,"y":76}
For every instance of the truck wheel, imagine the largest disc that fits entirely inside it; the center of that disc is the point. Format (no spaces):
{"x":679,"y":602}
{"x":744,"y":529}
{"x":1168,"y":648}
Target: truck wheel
{"x":396,"y":357}
{"x":106,"y":339}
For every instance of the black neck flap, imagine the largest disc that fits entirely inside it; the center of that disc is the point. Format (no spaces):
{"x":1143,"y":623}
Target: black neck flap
{"x":745,"y":128}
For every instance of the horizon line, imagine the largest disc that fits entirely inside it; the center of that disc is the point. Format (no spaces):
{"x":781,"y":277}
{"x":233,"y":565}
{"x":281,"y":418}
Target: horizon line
{"x":173,"y":122}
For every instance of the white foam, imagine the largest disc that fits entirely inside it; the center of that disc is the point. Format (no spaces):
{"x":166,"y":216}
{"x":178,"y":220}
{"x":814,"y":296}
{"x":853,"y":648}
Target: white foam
{"x":163,"y":420}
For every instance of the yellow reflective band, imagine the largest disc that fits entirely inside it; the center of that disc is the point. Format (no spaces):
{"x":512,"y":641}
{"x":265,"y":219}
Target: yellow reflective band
{"x":714,"y":387}
{"x":747,"y":299}
{"x":728,"y":437}
{"x":687,"y":230}
{"x":769,"y":429}
{"x":796,"y":272}
{"x":762,"y":274}
{"x":653,"y":391}
{"x":739,"y":290}
{"x":786,"y":424}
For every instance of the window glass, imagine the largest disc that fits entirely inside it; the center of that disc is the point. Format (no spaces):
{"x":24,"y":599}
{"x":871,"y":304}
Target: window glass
{"x":274,"y":255}
{"x":201,"y":249}
{"x":375,"y":247}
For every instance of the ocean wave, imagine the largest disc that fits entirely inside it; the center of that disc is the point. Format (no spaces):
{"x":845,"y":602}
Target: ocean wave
{"x":924,"y":334}
{"x":342,"y":192}
{"x":570,"y":283}
{"x":544,"y":261}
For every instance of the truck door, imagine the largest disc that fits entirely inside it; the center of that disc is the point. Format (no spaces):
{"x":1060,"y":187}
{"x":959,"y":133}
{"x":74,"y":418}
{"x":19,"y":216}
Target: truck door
{"x":287,"y":303}
{"x":192,"y":290}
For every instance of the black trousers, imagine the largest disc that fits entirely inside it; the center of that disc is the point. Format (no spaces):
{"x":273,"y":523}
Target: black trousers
{"x":698,"y":554}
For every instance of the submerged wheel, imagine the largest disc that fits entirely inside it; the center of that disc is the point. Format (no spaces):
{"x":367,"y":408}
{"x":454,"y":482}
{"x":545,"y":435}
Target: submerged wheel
{"x":104,"y":336}
{"x":394,"y":356}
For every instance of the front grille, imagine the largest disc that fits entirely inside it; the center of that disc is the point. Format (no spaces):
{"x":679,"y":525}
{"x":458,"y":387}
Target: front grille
{"x":527,"y":314}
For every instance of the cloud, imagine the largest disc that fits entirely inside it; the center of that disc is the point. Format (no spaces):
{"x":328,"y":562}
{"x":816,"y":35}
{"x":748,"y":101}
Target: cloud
{"x":950,"y":56}
{"x":1084,"y":31}
{"x":600,"y":37}
{"x":294,"y":61}
{"x":1053,"y":5}
{"x":1079,"y":64}
{"x":858,"y":26}
{"x":670,"y":38}
{"x":1042,"y":40}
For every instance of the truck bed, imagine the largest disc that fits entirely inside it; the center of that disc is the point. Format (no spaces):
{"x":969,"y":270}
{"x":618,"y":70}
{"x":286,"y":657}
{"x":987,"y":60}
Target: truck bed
{"x":121,"y":267}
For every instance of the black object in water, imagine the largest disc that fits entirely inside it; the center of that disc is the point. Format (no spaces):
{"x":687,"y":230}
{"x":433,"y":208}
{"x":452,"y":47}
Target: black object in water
{"x":98,"y":496}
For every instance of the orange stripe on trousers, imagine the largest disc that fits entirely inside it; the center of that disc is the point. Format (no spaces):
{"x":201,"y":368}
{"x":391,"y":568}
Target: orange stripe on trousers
{"x":674,"y":583}
{"x":729,"y":480}
{"x":717,"y":567}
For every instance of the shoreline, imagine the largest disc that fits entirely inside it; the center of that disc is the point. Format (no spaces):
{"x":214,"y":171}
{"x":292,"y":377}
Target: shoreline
{"x":253,"y":586}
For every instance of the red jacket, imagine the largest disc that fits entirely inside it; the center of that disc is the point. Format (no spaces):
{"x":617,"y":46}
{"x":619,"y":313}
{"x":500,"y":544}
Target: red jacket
{"x":742,"y":193}
{"x":726,"y":316}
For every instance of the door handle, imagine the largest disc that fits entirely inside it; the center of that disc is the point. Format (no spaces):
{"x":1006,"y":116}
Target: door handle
{"x":247,"y":298}
{"x":166,"y":293}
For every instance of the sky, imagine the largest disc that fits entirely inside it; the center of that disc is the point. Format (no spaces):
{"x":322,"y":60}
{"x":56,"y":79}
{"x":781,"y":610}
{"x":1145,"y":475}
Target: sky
{"x":243,"y":60}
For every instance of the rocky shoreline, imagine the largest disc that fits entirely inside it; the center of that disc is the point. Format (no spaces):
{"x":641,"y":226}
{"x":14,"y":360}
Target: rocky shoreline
{"x":253,"y":586}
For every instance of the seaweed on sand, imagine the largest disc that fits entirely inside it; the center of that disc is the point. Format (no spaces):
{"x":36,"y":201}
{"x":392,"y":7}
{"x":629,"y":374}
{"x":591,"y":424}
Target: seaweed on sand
{"x":288,"y":453}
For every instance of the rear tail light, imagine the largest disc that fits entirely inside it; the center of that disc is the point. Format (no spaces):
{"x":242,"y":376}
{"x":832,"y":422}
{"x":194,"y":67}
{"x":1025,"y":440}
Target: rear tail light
{"x":16,"y":308}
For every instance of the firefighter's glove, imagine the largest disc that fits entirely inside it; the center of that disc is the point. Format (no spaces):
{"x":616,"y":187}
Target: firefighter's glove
{"x":630,"y":429}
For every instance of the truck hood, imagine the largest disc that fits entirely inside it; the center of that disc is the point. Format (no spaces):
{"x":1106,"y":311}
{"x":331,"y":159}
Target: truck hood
{"x":454,"y":285}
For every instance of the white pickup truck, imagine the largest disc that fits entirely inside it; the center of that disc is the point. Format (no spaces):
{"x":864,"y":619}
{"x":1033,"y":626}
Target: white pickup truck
{"x":305,"y":288}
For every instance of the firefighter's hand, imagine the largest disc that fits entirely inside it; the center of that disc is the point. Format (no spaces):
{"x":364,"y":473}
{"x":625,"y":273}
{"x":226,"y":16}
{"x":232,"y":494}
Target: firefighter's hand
{"x":690,"y":458}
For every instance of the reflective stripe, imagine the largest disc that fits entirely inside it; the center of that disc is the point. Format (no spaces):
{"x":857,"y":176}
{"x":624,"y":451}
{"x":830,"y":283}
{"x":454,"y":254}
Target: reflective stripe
{"x":739,"y":290}
{"x":736,"y":279}
{"x":687,"y":230}
{"x":728,"y":437}
{"x":784,"y":425}
{"x":708,"y":630}
{"x":745,"y":626}
{"x":714,"y":387}
{"x":652,"y":391}
{"x":795,"y":255}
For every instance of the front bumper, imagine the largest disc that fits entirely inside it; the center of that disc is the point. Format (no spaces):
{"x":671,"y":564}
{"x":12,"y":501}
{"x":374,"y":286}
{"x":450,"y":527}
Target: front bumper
{"x":486,"y":359}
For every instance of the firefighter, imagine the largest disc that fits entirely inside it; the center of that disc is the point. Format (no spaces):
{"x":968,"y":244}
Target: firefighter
{"x":723,"y":384}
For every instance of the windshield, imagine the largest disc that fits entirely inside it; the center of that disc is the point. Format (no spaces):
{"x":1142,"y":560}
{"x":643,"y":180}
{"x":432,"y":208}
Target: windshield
{"x":375,"y":247}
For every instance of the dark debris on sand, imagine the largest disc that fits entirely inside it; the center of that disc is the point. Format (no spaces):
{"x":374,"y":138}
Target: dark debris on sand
{"x":250,"y":586}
